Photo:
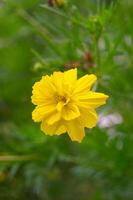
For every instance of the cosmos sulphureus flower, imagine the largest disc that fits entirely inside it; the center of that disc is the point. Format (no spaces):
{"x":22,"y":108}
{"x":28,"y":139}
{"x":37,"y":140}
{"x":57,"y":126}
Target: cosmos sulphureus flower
{"x":66,"y":104}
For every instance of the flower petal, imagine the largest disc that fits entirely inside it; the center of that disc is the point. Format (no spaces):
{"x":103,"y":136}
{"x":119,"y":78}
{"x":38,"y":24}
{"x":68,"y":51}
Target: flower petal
{"x":54,"y":117}
{"x":60,"y":106}
{"x":57,"y":80}
{"x":43,"y":91}
{"x":70,"y":76}
{"x":88,"y":117}
{"x":84,"y":83}
{"x":55,"y":129}
{"x":91,"y":99}
{"x":70,"y":111}
{"x":75,"y":130}
{"x":42,"y":111}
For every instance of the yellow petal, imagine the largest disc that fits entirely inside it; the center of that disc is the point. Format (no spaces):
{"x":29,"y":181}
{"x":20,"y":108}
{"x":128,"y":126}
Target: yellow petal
{"x":88,"y":117}
{"x":54,"y":117}
{"x":70,"y":111}
{"x":57,"y":80}
{"x":91,"y":99}
{"x":75,"y":130}
{"x":37,"y":96}
{"x":36,"y":116}
{"x":84,"y":83}
{"x":43,"y":91}
{"x":42,"y":111}
{"x":70,"y":76}
{"x":60,"y":106}
{"x":56,"y":129}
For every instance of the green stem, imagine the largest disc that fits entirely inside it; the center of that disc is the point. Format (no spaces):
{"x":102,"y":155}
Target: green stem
{"x":98,"y":6}
{"x":40,"y":29}
{"x":97,"y":55}
{"x":63,"y":15}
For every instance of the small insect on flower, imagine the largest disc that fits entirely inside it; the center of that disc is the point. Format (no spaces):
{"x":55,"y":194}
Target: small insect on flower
{"x":65,"y":104}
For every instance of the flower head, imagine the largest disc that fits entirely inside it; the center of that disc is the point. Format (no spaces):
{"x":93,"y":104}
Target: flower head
{"x":56,"y":3}
{"x":65,"y":104}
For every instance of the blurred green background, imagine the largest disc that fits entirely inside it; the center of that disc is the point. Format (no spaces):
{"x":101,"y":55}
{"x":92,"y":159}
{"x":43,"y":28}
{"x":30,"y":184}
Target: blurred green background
{"x":36,"y":39}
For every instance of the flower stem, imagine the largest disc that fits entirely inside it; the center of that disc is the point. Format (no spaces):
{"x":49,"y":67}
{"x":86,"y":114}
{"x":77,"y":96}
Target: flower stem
{"x":97,"y":54}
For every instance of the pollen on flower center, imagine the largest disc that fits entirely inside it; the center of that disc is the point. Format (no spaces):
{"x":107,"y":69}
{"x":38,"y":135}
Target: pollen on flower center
{"x":63,"y":99}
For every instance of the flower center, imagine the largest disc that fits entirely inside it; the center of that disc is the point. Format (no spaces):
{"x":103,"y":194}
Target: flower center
{"x":63,"y":99}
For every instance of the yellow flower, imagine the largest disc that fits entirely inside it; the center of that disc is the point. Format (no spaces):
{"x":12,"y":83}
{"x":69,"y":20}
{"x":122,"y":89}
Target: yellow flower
{"x":65,"y":104}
